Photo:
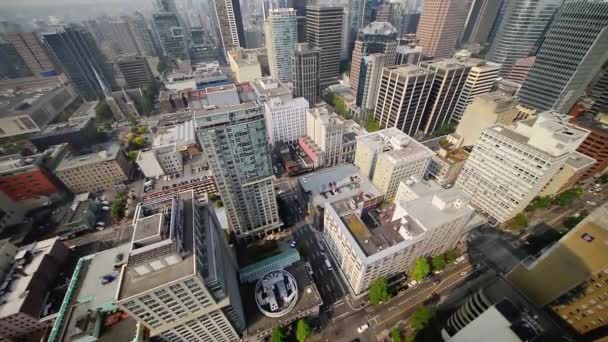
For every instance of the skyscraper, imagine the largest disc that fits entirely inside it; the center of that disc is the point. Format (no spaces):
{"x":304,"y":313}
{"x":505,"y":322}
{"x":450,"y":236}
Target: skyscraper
{"x":377,"y":37}
{"x":480,"y":20}
{"x":571,"y":55}
{"x":369,"y":81}
{"x":305,"y":61}
{"x":170,"y":35}
{"x":81,"y":61}
{"x":230,"y":24}
{"x":180,"y":279}
{"x":324,"y":31}
{"x":402,"y":97}
{"x":510,"y":165}
{"x":520,"y":69}
{"x":11,"y":64}
{"x":479,"y":81}
{"x":440,"y":26}
{"x":141,"y":35}
{"x":450,"y":78}
{"x":31,"y":50}
{"x":281,"y":38}
{"x":521,"y":31}
{"x":234,"y":138}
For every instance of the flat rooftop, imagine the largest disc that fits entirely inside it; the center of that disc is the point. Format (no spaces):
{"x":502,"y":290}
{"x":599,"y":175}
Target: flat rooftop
{"x":396,"y":145}
{"x":86,"y":109}
{"x":372,"y":240}
{"x":578,"y":161}
{"x":73,"y":125}
{"x":147,"y":227}
{"x":19,"y":104}
{"x":336,"y":184}
{"x":270,"y":87}
{"x":590,"y":122}
{"x":104,"y":153}
{"x":446,"y":64}
{"x":426,"y":211}
{"x":409,"y":70}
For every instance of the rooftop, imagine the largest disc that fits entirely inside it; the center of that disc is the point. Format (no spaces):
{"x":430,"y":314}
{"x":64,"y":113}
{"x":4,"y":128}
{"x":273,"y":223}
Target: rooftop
{"x":104,"y":152}
{"x":397,"y":146}
{"x":23,"y":102}
{"x":87,"y":109}
{"x":445,"y":64}
{"x":408,"y":70}
{"x":17,"y":162}
{"x":580,"y":161}
{"x":73,"y":125}
{"x":339,"y":183}
{"x":180,"y":134}
{"x":379,"y":28}
{"x":591,"y":122}
{"x":268,"y":87}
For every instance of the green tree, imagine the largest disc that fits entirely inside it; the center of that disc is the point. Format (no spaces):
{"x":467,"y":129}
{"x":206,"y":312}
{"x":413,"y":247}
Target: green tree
{"x":303,"y":330}
{"x":103,"y":112}
{"x":539,"y":203}
{"x":572,"y":221}
{"x":445,"y":129}
{"x":603,"y":178}
{"x":420,"y":318}
{"x":219,"y":204}
{"x":142,"y":129}
{"x":519,"y":221}
{"x":438,"y":263}
{"x":133,"y":155}
{"x":118,"y":207}
{"x":378,"y":292}
{"x":396,"y":335}
{"x":213,"y":197}
{"x":568,"y":197}
{"x":372,"y":125}
{"x":421,"y":269}
{"x":147,"y":104}
{"x":277,"y":335}
{"x":137,"y":142}
{"x":451,"y":255}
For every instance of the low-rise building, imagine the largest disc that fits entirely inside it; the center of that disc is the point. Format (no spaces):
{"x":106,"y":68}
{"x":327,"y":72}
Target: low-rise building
{"x":245,"y":64}
{"x":446,"y":164}
{"x":79,"y":133}
{"x":569,"y":174}
{"x":596,"y":144}
{"x":81,"y":216}
{"x":105,"y":168}
{"x":389,"y":157}
{"x":31,"y":110}
{"x":427,"y":223}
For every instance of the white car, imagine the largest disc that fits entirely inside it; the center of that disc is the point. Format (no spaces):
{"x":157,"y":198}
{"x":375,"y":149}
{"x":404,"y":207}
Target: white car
{"x":362,"y":328}
{"x":591,"y":203}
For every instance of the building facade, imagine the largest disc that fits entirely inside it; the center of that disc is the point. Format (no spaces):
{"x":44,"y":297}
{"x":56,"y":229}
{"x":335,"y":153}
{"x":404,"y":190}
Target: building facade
{"x":324,"y":31}
{"x":230,"y":24}
{"x":370,"y":74}
{"x":31,"y":50}
{"x":170,"y":36}
{"x":306,"y":73}
{"x":596,"y":144}
{"x":286,"y":120}
{"x":136,"y":72}
{"x":440,"y":27}
{"x":280,"y":29}
{"x":520,"y":69}
{"x":245,"y":64}
{"x":479,"y":81}
{"x":480,"y":20}
{"x":562,"y":71}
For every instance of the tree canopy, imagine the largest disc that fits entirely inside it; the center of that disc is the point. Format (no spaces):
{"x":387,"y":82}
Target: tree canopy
{"x":303,"y":330}
{"x":372,"y":125}
{"x":438,"y":262}
{"x":421,"y":269}
{"x":451,"y":255}
{"x":539,"y":203}
{"x":568,"y":197}
{"x":519,"y":221}
{"x":378,"y":292}
{"x":277,"y":335}
{"x":396,"y":335}
{"x":420,"y":318}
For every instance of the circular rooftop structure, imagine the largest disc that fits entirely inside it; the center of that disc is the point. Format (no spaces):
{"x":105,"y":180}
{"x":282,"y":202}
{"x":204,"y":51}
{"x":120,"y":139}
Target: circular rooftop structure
{"x":276,"y":293}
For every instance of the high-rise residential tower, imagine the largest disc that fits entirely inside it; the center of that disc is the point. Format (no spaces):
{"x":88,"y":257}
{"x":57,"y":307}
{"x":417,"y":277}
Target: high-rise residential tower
{"x":234,"y":138}
{"x":324,"y":31}
{"x":305,"y":62}
{"x":31,"y":50}
{"x":571,"y":55}
{"x":450,"y":78}
{"x":81,"y":61}
{"x":520,"y":31}
{"x":170,"y":35}
{"x":402,"y":97}
{"x":180,"y":277}
{"x":281,"y":33}
{"x":479,"y":81}
{"x":377,"y":37}
{"x":440,"y":26}
{"x":510,"y":165}
{"x":230,"y":24}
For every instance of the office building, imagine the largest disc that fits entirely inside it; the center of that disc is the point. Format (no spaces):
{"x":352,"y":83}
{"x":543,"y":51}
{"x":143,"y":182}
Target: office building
{"x":370,"y":74}
{"x":448,"y":161}
{"x":388,"y":157}
{"x":107,"y":168}
{"x":562,"y":71}
{"x":481,"y":18}
{"x":281,"y":34}
{"x":408,"y":23}
{"x":403,"y":96}
{"x":30,"y":275}
{"x":509,"y":166}
{"x":596,"y":144}
{"x":230,"y":24}
{"x":577,"y":296}
{"x":245,"y":64}
{"x":141,"y":35}
{"x":440,"y":27}
{"x":520,"y":31}
{"x":600,"y":94}
{"x":486,"y":110}
{"x":170,"y":36}
{"x":324,"y":31}
{"x":31,"y":50}
{"x":78,"y":132}
{"x":234,"y":139}
{"x":573,"y":170}
{"x":520,"y":69}
{"x":377,"y":37}
{"x":25,"y":111}
{"x":80,"y":60}
{"x":172,"y":283}
{"x":118,"y":38}
{"x":164,"y":157}
{"x":136,"y":72}
{"x":450,"y":78}
{"x":29,"y":178}
{"x":428,"y":223}
{"x":479,"y":81}
{"x":305,"y":79}
{"x":11,"y":64}
{"x":408,"y":54}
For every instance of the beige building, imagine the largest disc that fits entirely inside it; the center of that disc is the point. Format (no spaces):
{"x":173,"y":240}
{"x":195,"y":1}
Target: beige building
{"x":390,"y":156}
{"x":245,"y":64}
{"x":446,"y":165}
{"x":440,"y":27}
{"x":97,"y":171}
{"x":486,"y":110}
{"x":570,"y":276}
{"x":570,"y":173}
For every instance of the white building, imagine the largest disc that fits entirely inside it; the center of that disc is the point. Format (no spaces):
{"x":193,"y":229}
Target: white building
{"x":281,"y":33}
{"x":427,"y":223}
{"x":479,"y":81}
{"x":165,"y":156}
{"x":390,"y":156}
{"x":510,"y":165}
{"x":286,"y":120}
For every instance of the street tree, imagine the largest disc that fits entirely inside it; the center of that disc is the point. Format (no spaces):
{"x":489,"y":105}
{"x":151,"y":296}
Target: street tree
{"x":378,"y":292}
{"x":277,"y":334}
{"x":438,"y":263}
{"x":303,"y":330}
{"x":396,"y":335}
{"x":421,"y":269}
{"x":420,"y":318}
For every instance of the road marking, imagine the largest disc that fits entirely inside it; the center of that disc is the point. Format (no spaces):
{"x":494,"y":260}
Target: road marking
{"x":342,"y":315}
{"x":336,"y":304}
